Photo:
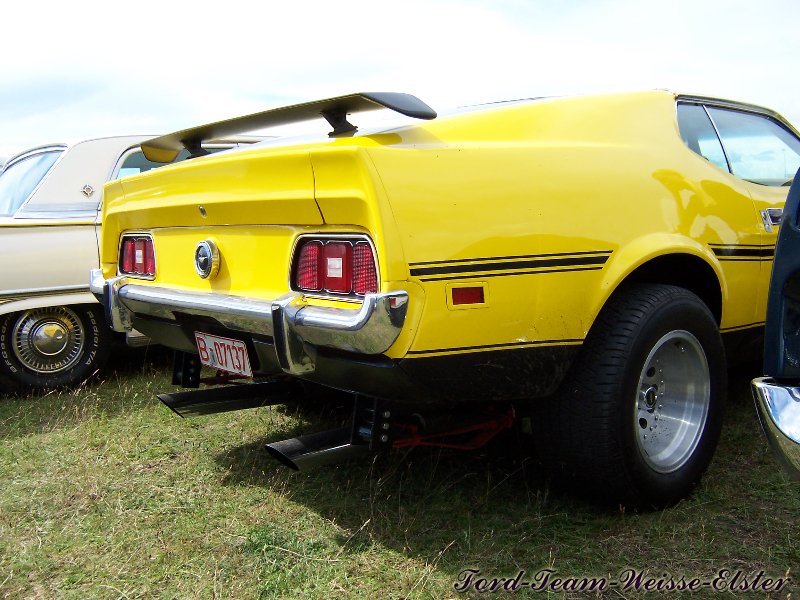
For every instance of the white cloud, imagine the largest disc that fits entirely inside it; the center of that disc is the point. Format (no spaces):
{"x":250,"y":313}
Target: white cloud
{"x":74,"y":70}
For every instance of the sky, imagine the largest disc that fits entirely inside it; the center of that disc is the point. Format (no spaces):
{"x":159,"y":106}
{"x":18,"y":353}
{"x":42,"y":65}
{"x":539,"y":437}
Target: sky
{"x":82,"y":69}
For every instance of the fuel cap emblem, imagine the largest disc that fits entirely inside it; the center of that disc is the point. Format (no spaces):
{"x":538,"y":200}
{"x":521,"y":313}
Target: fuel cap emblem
{"x":206,"y":259}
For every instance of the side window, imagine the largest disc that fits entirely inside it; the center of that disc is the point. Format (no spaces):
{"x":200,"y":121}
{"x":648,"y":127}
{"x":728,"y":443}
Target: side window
{"x":19,"y":179}
{"x":758,"y":148}
{"x":699,"y":134}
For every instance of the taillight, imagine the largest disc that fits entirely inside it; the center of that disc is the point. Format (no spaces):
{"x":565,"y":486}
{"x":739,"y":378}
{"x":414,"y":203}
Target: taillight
{"x":126,"y":255}
{"x":136,"y":256}
{"x":336,"y":266}
{"x":365,"y":276}
{"x":149,"y":258}
{"x":308,"y":275}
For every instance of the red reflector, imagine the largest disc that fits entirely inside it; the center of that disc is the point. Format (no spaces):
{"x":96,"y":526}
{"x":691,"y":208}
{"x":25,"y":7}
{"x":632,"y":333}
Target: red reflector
{"x":365,"y":277}
{"x":337,"y":267}
{"x":308,"y":275}
{"x":127,"y":255}
{"x":467,"y":295}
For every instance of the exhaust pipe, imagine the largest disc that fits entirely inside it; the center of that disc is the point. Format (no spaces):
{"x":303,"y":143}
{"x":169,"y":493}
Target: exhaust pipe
{"x":308,"y":451}
{"x":232,"y":397}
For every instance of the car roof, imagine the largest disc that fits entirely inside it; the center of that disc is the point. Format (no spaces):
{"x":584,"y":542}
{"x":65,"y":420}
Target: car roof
{"x":119,"y":140}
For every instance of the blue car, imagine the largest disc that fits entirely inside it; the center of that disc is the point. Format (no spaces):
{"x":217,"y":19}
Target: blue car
{"x":777,"y":395}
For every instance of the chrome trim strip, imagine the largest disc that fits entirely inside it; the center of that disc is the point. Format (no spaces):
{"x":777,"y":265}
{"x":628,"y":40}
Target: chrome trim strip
{"x":31,"y":151}
{"x":59,"y":209}
{"x":64,"y":289}
{"x":732,"y":105}
{"x":778,"y":409}
{"x":294,"y":326}
{"x":34,"y":221}
{"x":719,"y":138}
{"x":81,"y":216}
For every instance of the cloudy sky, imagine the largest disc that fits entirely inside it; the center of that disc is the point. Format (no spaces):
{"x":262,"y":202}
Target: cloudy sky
{"x":73,"y":70}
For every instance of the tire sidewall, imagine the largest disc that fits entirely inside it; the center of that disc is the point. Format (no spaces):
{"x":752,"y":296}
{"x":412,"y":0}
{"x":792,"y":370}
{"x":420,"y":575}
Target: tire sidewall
{"x":686,"y":313}
{"x":93,"y":355}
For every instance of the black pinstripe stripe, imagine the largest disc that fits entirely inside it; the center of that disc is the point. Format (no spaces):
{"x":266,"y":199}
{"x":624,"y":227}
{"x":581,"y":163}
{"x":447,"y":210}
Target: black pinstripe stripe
{"x":465,"y":267}
{"x":496,"y":346}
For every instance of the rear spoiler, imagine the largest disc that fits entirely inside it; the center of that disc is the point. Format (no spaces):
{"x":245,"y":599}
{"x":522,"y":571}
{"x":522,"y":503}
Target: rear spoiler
{"x":335,"y":110}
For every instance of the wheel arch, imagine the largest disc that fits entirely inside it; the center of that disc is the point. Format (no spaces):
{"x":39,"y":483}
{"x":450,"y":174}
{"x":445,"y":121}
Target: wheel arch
{"x":683,"y":263}
{"x":686,"y":271}
{"x":32,"y":302}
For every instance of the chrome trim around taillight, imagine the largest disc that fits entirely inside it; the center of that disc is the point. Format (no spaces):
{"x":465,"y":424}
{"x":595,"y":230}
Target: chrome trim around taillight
{"x":352,"y":239}
{"x":136,"y":234}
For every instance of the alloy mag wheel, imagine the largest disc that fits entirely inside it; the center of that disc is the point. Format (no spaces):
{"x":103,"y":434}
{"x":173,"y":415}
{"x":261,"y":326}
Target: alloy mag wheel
{"x":673,"y":398}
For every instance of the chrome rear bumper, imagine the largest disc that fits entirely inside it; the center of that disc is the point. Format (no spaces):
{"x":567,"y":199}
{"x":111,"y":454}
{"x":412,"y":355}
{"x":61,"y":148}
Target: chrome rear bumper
{"x":295,"y":326}
{"x":779,"y":412}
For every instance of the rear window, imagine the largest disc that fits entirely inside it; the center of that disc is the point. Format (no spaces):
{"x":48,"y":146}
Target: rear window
{"x":20,"y":179}
{"x":699,"y":134}
{"x":135,"y":162}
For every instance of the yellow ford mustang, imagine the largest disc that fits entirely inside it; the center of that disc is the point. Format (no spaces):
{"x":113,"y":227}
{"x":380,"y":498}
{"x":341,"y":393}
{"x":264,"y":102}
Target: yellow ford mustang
{"x":574,"y":266}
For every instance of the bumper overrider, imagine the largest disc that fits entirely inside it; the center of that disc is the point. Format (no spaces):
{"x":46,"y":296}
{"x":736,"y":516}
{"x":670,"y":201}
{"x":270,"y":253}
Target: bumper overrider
{"x":295,"y":326}
{"x":778,"y":408}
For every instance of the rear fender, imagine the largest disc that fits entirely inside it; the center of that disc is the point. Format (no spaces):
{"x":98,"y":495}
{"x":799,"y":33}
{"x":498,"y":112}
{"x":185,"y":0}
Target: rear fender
{"x":640,"y":251}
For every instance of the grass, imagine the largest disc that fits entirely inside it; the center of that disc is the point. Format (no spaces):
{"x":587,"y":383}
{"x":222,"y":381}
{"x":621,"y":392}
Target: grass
{"x":106,"y":494}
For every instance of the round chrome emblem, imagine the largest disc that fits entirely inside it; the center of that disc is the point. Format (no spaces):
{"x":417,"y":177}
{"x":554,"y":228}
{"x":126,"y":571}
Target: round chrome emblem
{"x":206,"y":259}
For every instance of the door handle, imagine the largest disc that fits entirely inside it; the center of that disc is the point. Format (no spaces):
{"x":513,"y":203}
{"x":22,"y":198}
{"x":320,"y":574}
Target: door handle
{"x":775,"y":215}
{"x":770,"y":217}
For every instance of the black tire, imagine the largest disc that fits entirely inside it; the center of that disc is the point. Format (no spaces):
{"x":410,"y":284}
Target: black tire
{"x":601,"y":436}
{"x":52,"y":347}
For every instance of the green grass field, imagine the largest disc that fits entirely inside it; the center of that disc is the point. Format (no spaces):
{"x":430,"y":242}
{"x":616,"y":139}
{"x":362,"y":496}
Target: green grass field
{"x":106,"y":494}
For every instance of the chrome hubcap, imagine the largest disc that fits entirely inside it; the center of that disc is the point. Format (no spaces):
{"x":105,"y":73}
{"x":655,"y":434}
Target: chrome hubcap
{"x":48,"y":340}
{"x":672,"y":405}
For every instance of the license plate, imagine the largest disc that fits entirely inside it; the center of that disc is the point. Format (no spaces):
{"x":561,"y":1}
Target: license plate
{"x":223,"y":353}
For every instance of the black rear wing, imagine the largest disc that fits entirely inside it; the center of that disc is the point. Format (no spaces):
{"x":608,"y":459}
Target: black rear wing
{"x":335,"y":110}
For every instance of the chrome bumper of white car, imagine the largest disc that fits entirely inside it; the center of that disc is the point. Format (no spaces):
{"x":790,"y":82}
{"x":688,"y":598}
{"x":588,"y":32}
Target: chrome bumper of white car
{"x":779,"y":412}
{"x":295,"y":326}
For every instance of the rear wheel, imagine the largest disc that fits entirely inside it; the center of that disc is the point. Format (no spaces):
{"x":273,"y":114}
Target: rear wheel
{"x":638,"y":418}
{"x":51,"y":347}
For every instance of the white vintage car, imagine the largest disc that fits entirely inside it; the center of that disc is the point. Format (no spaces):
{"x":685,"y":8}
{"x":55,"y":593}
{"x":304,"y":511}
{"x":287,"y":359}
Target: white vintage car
{"x":52,"y":330}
